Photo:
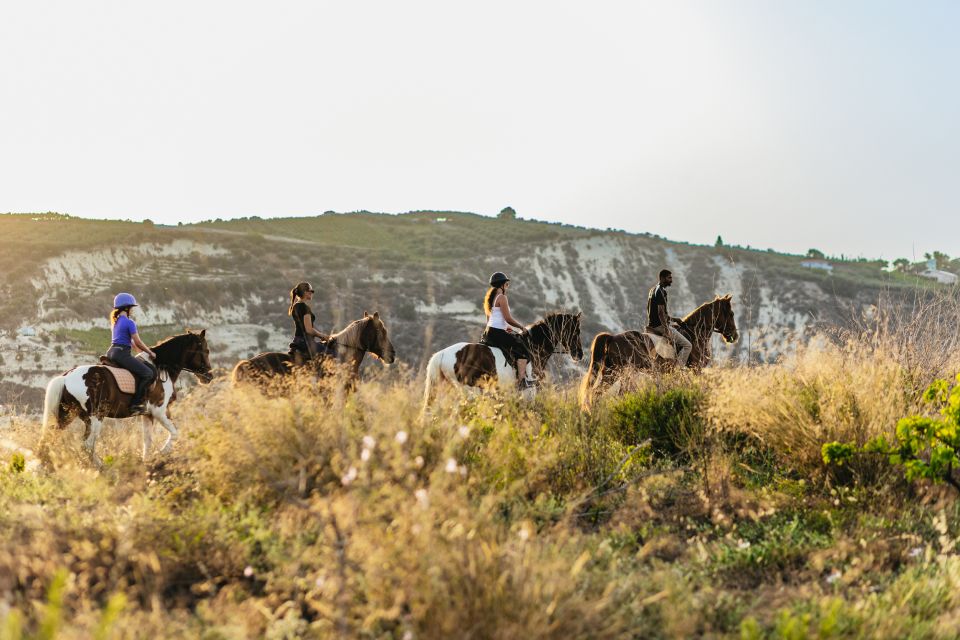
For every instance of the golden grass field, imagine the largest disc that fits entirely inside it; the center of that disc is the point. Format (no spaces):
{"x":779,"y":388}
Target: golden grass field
{"x":686,"y":506}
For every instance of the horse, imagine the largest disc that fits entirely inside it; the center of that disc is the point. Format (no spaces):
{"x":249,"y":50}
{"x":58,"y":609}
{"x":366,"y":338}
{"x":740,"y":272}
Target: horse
{"x":92,"y":393}
{"x":610,"y":353}
{"x":368,"y":334}
{"x":469,"y":364}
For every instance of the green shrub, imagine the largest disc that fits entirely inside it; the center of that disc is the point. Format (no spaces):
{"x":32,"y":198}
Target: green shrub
{"x":670,"y":420}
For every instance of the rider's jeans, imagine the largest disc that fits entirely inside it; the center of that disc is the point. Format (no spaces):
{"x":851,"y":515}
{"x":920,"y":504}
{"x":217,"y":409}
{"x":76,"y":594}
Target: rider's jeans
{"x":680,"y":341}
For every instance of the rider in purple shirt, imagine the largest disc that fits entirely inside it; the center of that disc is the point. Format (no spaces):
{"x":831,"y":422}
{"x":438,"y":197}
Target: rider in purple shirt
{"x":125,"y":337}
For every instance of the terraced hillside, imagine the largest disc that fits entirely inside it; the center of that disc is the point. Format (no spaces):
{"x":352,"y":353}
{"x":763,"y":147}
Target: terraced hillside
{"x":425,"y":271}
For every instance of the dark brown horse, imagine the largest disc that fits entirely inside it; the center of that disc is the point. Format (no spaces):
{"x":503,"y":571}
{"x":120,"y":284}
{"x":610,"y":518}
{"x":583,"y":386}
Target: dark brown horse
{"x":611,"y":354}
{"x":91,"y":392}
{"x":367,"y":334}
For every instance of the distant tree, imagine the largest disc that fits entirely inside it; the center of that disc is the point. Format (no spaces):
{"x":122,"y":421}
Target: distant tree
{"x":816,"y":254}
{"x":58,"y":350}
{"x":148,"y":223}
{"x":507,"y":213}
{"x":719,"y":242}
{"x":942,"y":259}
{"x":901,"y":265}
{"x":262,"y":336}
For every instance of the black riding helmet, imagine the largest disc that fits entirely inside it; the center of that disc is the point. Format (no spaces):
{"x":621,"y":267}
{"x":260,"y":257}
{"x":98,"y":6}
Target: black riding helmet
{"x":498,"y":279}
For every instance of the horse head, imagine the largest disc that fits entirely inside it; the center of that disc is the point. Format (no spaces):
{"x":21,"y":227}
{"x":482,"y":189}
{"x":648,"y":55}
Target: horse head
{"x":186,"y":352}
{"x":374,"y":338}
{"x":723,"y":320}
{"x":564,"y":333}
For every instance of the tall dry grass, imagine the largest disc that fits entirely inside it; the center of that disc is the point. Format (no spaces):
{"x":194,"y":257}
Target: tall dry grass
{"x":311,"y":513}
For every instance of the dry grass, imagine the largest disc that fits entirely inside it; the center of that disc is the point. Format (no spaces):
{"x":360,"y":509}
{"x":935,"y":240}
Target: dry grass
{"x":689,"y":507}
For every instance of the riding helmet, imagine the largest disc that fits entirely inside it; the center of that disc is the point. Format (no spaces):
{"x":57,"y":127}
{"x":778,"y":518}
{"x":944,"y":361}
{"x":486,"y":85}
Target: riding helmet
{"x":124,"y":300}
{"x":498,"y":279}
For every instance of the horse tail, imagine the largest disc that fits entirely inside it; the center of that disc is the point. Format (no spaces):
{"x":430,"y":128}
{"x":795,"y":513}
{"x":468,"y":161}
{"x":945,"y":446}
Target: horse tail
{"x":51,"y":403}
{"x":433,"y":378}
{"x":597,"y":352}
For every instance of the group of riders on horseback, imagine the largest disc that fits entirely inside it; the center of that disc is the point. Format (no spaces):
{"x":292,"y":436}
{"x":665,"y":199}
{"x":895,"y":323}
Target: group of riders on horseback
{"x":508,"y":352}
{"x":502,"y":331}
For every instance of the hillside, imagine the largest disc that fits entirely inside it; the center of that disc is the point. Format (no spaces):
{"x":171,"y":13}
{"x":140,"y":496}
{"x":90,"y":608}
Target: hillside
{"x":425,"y":271}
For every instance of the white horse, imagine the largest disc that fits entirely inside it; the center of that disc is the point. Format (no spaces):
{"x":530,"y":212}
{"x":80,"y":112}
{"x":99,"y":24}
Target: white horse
{"x":470,"y":365}
{"x":92,"y":393}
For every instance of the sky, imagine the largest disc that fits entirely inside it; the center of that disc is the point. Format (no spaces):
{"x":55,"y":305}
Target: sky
{"x":789,"y":125}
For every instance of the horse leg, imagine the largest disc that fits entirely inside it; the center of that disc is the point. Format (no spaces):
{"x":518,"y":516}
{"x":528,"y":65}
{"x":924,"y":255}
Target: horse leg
{"x":169,"y":426}
{"x":146,"y":424}
{"x":92,"y":427}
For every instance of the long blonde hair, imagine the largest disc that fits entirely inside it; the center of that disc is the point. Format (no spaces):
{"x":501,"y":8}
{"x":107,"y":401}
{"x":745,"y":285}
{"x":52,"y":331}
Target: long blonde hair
{"x":489,"y":298}
{"x":297,"y":292}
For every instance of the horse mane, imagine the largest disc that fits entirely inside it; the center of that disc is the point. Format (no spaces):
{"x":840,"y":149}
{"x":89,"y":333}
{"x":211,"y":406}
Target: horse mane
{"x":548,"y":319}
{"x":701,"y":309}
{"x":350,"y":330}
{"x":168,"y":342}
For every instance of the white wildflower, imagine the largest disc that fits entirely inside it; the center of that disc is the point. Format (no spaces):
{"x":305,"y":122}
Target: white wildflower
{"x":916,"y":552}
{"x":408,"y":635}
{"x":320,"y":581}
{"x":248,"y":571}
{"x":464,"y":431}
{"x":365,"y":455}
{"x":422,"y":497}
{"x":524,"y":533}
{"x":451,"y":466}
{"x":833,"y":577}
{"x":418,"y":461}
{"x":349,"y":476}
{"x":369,"y":442}
{"x":401,"y":436}
{"x":743,"y":544}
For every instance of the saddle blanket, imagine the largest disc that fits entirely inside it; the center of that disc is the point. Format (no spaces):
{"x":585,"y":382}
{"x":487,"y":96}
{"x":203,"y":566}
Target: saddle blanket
{"x":663,"y":347}
{"x":125,"y":379}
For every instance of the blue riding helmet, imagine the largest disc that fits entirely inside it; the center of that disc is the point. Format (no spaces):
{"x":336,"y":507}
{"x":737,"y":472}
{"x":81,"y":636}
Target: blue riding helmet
{"x":124,"y":300}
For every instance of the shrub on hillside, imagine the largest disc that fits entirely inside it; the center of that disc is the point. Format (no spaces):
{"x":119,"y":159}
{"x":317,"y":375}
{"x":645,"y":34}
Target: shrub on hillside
{"x":670,"y":419}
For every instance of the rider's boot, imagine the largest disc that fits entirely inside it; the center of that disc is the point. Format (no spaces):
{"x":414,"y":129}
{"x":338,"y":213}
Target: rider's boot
{"x":137,"y":406}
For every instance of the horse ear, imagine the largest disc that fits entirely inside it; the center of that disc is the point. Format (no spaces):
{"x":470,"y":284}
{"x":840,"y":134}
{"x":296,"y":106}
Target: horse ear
{"x":579,"y":314}
{"x":365,"y":314}
{"x":376,"y":315}
{"x":203,"y":333}
{"x":728,"y":296}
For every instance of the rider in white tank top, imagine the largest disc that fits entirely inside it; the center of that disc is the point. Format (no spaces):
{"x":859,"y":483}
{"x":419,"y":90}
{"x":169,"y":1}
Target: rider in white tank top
{"x":496,"y":320}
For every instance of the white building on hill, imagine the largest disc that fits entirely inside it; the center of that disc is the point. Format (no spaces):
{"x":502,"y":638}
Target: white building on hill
{"x":943,"y":277}
{"x":823,"y":265}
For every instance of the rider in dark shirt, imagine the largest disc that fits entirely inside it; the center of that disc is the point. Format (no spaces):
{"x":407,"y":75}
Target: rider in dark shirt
{"x":658,"y":320}
{"x":307,"y":342}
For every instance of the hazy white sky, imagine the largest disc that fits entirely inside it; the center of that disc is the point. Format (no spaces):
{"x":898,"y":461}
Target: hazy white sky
{"x":788,"y":125}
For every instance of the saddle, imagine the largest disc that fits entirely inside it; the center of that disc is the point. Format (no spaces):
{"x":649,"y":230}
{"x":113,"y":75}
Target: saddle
{"x":125,"y":380}
{"x":657,"y":345}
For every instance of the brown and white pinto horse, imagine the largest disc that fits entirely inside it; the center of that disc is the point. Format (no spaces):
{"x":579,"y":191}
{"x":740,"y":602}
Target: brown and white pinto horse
{"x":367,"y":334}
{"x":91,"y":393}
{"x":611,"y":354}
{"x":470,"y":364}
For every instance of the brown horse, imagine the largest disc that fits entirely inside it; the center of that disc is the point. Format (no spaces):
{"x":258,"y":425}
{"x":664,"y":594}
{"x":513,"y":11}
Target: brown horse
{"x":351,"y":345}
{"x":611,"y":354}
{"x":91,"y":392}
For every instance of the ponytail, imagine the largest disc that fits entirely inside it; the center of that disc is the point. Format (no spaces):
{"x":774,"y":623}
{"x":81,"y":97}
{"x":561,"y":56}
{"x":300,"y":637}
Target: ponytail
{"x":297,"y":292}
{"x":488,"y":300}
{"x":115,"y":314}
